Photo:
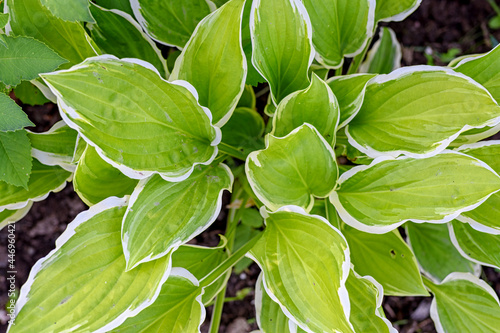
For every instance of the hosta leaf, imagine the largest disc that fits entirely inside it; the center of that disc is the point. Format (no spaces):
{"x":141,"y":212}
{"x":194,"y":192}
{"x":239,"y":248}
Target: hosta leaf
{"x":281,"y":45}
{"x":43,"y":180}
{"x":307,"y":281}
{"x":344,"y":148}
{"x":68,"y":39}
{"x":164,"y":215}
{"x":213,"y":61}
{"x":117,"y":33}
{"x":376,"y":255}
{"x":382,"y":196}
{"x":24,"y":58}
{"x":293,"y":170}
{"x":178,"y":308}
{"x":350,"y":93}
{"x":486,"y":216}
{"x":244,"y":130}
{"x":247,"y":99}
{"x":315,"y":105}
{"x":96,"y":180}
{"x":253,"y":76}
{"x":385,"y":55}
{"x":395,"y":10}
{"x":435,"y":252}
{"x":29,"y":94}
{"x":170,"y":22}
{"x":12,"y":117}
{"x":15,"y":158}
{"x":479,"y":247}
{"x":464,"y":303}
{"x":418,"y":111}
{"x":340,"y":28}
{"x":475,"y":135}
{"x":122,"y":5}
{"x":98,"y":292}
{"x":75,"y":10}
{"x":11,"y":216}
{"x":138,"y":122}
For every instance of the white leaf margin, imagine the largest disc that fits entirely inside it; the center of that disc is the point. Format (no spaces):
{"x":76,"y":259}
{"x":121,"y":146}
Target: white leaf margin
{"x":396,"y":48}
{"x":473,"y":57}
{"x":16,"y":215}
{"x":259,"y":294}
{"x":404,"y":14}
{"x":382,"y":229}
{"x":438,"y":146}
{"x":130,"y":172}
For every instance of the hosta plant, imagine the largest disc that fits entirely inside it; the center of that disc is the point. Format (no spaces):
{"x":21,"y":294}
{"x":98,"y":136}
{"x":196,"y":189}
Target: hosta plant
{"x":159,"y":124}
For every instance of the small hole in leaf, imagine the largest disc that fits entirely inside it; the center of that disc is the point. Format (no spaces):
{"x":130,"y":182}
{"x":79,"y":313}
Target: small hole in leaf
{"x":393,"y":253}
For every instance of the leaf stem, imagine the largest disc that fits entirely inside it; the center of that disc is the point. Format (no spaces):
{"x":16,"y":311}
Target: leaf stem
{"x":232,"y":151}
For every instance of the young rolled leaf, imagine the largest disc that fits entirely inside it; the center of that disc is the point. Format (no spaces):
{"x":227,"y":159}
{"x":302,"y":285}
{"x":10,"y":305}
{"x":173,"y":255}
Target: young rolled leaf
{"x":382,"y":196}
{"x":316,"y":105}
{"x":12,"y":117}
{"x":395,"y":10}
{"x":164,"y":215}
{"x":418,"y":111}
{"x":178,"y":308}
{"x":385,"y":55}
{"x":15,"y":158}
{"x":435,"y":252}
{"x":96,"y":180}
{"x":117,"y":33}
{"x":244,"y":130}
{"x":282,"y":51}
{"x":350,"y":93}
{"x":11,"y":216}
{"x":375,"y":255}
{"x":293,"y":170}
{"x":24,"y":58}
{"x":170,"y":22}
{"x":98,"y":292}
{"x":74,"y":11}
{"x":308,"y":282}
{"x":137,"y":121}
{"x":464,"y":303}
{"x":341,"y":28}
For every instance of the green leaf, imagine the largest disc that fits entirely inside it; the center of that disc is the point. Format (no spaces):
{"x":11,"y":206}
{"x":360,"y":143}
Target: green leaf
{"x":12,"y":117}
{"x":68,"y":39}
{"x":213,"y":61}
{"x":73,"y":11}
{"x":385,"y":55}
{"x":24,"y":58}
{"x":253,"y":76}
{"x":382,"y":196}
{"x":344,"y":148}
{"x":293,"y":170}
{"x":435,"y":252}
{"x":282,"y":51}
{"x":418,"y":111}
{"x":15,"y":158}
{"x":170,"y":22}
{"x":4,"y":19}
{"x":43,"y":180}
{"x":475,"y":135}
{"x":376,"y":255}
{"x":11,"y":216}
{"x":122,"y":5}
{"x":138,"y":122}
{"x":315,"y":105}
{"x":464,"y":303}
{"x":98,"y":292}
{"x":29,"y":94}
{"x":350,"y":93}
{"x":247,"y":99}
{"x":340,"y":28}
{"x":163,"y":215}
{"x":244,"y":130}
{"x":395,"y":10}
{"x":96,"y":180}
{"x":117,"y":33}
{"x":307,"y":281}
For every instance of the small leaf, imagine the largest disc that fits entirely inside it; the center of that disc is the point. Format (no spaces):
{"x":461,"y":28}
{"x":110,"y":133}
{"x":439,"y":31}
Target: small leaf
{"x":244,"y":130}
{"x":385,"y":55}
{"x":12,"y":117}
{"x":73,"y":11}
{"x":395,"y":10}
{"x":30,"y":94}
{"x":11,"y":216}
{"x":15,"y":158}
{"x":4,"y":19}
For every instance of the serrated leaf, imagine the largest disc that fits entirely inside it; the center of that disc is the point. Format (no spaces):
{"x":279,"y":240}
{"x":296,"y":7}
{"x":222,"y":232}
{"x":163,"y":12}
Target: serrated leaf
{"x":73,"y":11}
{"x":96,"y":180}
{"x":213,"y":61}
{"x":24,"y":58}
{"x":145,"y":124}
{"x":316,"y":105}
{"x":340,"y":28}
{"x":4,"y":19}
{"x":395,"y":10}
{"x":12,"y":216}
{"x":382,"y":196}
{"x":12,"y":117}
{"x":418,"y":111}
{"x":15,"y":158}
{"x":96,"y":285}
{"x":464,"y":303}
{"x":281,"y":45}
{"x":385,"y":55}
{"x":30,"y":94}
{"x":307,"y":281}
{"x":375,"y":255}
{"x":117,"y":33}
{"x":164,"y":215}
{"x":170,"y":22}
{"x":435,"y":252}
{"x":293,"y":170}
{"x":122,"y":5}
{"x":244,"y":130}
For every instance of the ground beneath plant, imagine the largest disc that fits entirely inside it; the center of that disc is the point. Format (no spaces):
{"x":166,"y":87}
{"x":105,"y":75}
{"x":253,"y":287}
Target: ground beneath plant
{"x":437,"y":31}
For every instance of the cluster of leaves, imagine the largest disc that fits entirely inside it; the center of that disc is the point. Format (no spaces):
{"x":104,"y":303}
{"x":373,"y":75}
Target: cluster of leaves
{"x":151,"y":144}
